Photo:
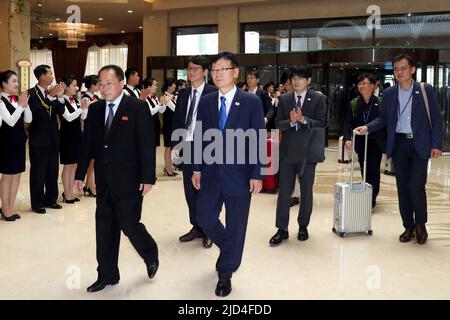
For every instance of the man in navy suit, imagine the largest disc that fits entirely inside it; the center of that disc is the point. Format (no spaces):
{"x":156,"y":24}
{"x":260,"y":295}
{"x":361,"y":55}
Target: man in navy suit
{"x":413,"y":136}
{"x":227,"y":180}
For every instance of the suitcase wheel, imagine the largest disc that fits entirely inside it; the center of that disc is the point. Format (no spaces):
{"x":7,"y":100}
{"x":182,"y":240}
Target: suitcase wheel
{"x":342,"y":234}
{"x":370,"y":232}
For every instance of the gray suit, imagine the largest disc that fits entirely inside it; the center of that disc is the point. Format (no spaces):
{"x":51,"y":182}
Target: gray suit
{"x":294,"y":150}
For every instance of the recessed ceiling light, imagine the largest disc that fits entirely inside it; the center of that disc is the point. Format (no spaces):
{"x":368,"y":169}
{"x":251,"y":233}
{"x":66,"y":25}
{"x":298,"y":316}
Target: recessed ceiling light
{"x":409,"y":14}
{"x":58,"y":19}
{"x":41,"y":37}
{"x":50,"y":34}
{"x":130,"y":11}
{"x":100,"y":19}
{"x":140,"y":27}
{"x":122,"y":31}
{"x":39,"y":4}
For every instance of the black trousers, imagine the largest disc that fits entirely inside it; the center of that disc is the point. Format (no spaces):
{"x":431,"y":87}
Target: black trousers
{"x":411,"y":176}
{"x":44,"y":171}
{"x":288,"y":173}
{"x":117,"y":213}
{"x":191,"y":195}
{"x":229,"y":238}
{"x":374,"y":155}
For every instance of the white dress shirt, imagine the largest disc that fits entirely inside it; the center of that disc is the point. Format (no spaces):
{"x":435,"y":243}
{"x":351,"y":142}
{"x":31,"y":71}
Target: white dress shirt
{"x":116,"y":106}
{"x":228,"y":98}
{"x":190,"y":133}
{"x":11,"y":119}
{"x":74,"y":115}
{"x":157,"y":108}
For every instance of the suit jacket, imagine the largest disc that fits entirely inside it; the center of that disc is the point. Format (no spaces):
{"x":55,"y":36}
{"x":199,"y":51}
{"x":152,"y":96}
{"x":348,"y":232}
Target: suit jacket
{"x":269,"y":112}
{"x":125,"y":157}
{"x":245,"y":113}
{"x":425,"y":138}
{"x":44,"y":127}
{"x":181,"y":109}
{"x":294,"y":145}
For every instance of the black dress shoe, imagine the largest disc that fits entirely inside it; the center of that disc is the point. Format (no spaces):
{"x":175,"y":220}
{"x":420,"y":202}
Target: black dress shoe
{"x":39,"y":210}
{"x":294,"y":201}
{"x":207,"y":243}
{"x":16,"y":216}
{"x":76,"y":200}
{"x":407,"y":235}
{"x":421,"y":233}
{"x":303,"y":234}
{"x":191,"y":235}
{"x":54,"y":206}
{"x":152,"y":268}
{"x":279,"y":237}
{"x":100,"y":285}
{"x":223,"y":287}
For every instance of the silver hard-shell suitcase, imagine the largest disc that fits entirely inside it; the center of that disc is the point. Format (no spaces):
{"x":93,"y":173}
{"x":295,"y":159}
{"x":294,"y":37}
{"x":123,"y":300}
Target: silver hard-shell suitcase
{"x":353,"y":202}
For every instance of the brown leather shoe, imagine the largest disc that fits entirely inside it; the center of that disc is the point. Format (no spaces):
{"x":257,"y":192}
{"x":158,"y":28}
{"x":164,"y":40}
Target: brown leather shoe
{"x":407,"y":235}
{"x":421,"y":233}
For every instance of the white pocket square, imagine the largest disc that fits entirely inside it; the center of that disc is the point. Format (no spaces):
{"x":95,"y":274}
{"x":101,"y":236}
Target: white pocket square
{"x":237,"y":103}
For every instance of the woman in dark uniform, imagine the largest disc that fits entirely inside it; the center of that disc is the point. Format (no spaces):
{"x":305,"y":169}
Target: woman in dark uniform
{"x":90,"y":82}
{"x":168,"y":102}
{"x":70,"y":132}
{"x":14,"y":111}
{"x":154,"y":106}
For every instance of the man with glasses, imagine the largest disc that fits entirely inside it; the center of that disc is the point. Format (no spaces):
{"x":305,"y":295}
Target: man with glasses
{"x":414,"y":134}
{"x":119,"y":133}
{"x":185,"y":117}
{"x":224,"y":180}
{"x":298,"y":112}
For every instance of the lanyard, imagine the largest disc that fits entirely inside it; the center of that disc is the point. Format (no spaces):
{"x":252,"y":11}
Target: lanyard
{"x":367,"y":113}
{"x":404,"y":108}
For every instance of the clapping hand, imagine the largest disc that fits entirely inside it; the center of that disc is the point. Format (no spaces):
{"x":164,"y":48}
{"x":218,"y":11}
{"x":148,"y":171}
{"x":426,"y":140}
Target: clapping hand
{"x":23,"y":99}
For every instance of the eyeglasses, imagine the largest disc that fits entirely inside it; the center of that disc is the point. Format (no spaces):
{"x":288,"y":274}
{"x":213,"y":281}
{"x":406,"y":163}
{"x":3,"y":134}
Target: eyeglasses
{"x":364,"y":84}
{"x":222,"y":70}
{"x":195,"y":69}
{"x":107,"y":84}
{"x":404,"y":68}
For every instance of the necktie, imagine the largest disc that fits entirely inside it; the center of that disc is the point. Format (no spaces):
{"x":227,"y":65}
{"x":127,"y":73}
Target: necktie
{"x":71,"y":100}
{"x":153,"y":97}
{"x":222,"y":113}
{"x":12,"y":98}
{"x":298,"y":105}
{"x":110,"y":118}
{"x":46,"y":94}
{"x":191,"y":109}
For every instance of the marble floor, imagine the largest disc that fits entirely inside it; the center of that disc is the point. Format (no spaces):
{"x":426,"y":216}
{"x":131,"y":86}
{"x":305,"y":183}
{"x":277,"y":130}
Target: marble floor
{"x":52,"y":256}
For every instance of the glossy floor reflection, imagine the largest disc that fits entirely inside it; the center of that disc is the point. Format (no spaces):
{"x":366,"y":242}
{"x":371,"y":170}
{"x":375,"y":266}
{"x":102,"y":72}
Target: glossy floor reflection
{"x":53,"y":256}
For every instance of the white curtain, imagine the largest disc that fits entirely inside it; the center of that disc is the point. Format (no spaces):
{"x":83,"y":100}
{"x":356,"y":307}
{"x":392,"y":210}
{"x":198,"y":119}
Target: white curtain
{"x":38,"y":57}
{"x":99,"y":57}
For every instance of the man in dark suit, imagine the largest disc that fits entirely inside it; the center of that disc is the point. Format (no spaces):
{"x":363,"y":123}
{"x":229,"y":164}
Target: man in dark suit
{"x":44,"y":140}
{"x":222,"y":178}
{"x":132,"y":81}
{"x":252,"y":78}
{"x":298,"y":113}
{"x":184,"y":118}
{"x":413,"y":136}
{"x":119,"y":134}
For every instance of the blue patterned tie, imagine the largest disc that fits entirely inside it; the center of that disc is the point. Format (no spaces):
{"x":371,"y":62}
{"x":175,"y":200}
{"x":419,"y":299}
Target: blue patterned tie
{"x":222,"y":113}
{"x":110,"y":118}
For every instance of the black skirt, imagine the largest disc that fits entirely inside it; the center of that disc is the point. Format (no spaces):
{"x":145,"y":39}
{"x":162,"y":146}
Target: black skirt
{"x":12,"y":159}
{"x":69,"y":150}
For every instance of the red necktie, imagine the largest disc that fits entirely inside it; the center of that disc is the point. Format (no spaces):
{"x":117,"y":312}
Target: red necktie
{"x":153,"y":97}
{"x":71,"y":100}
{"x":12,"y":98}
{"x":46,"y":93}
{"x":94,"y":98}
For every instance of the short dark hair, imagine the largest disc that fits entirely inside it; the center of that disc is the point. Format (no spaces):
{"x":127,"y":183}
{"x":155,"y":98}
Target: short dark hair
{"x":285,"y":76}
{"x":252,"y":72}
{"x":90,"y":81}
{"x":302,"y":71}
{"x":368,"y":76}
{"x":268,"y":84}
{"x":409,"y":58}
{"x":117,"y":70}
{"x":200,"y":61}
{"x":67,"y":79}
{"x":4,"y":76}
{"x":148,"y":82}
{"x":227,"y":56}
{"x":167,"y":83}
{"x":41,"y":70}
{"x":129,"y":72}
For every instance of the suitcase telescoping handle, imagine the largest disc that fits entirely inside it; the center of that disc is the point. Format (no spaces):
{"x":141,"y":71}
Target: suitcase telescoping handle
{"x":352,"y":171}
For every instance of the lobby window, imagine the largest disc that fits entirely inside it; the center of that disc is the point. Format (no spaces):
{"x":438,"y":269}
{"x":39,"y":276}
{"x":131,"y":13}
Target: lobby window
{"x":38,"y":57}
{"x":269,"y":37}
{"x":195,"y":40}
{"x":101,"y":56}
